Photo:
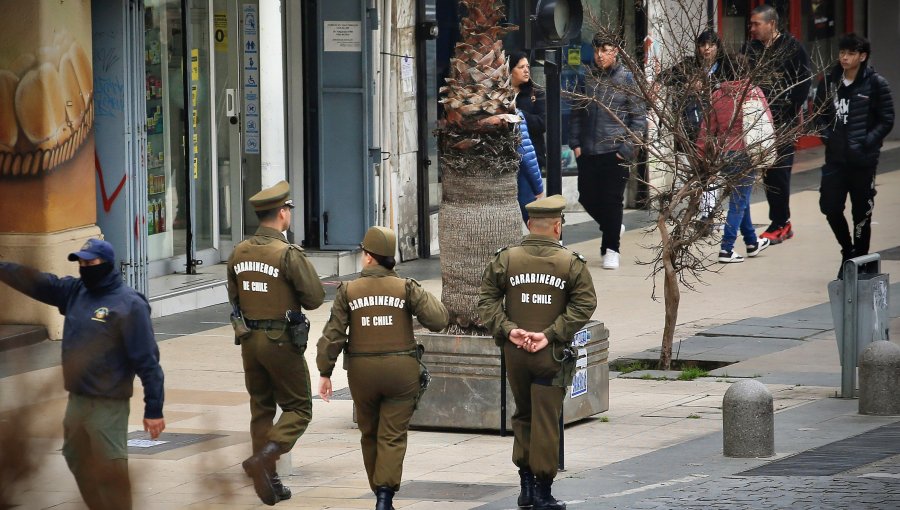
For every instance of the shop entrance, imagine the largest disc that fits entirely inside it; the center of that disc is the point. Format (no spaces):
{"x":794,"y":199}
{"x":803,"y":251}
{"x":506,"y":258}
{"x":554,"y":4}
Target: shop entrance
{"x":194,"y":124}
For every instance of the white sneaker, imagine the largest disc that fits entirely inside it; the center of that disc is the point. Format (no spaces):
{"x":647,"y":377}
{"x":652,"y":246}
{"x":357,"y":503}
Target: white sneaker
{"x":611,"y":260}
{"x":730,"y":257}
{"x":622,"y":230}
{"x":761,"y":244}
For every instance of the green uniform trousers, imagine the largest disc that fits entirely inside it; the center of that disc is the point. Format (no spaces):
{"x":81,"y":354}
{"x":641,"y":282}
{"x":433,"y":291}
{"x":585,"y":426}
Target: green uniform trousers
{"x":535,"y":423}
{"x":384,"y":390}
{"x":95,"y":446}
{"x":275,"y":372}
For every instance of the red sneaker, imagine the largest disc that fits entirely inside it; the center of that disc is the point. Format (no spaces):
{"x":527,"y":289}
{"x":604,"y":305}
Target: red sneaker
{"x":787,"y":232}
{"x":777,"y":235}
{"x":773,"y":234}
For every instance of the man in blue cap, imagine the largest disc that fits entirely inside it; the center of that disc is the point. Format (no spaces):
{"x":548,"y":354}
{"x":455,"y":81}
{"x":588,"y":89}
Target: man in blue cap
{"x":107,"y":339}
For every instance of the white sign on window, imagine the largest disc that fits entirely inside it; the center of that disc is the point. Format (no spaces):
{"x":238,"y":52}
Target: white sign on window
{"x":343,"y":35}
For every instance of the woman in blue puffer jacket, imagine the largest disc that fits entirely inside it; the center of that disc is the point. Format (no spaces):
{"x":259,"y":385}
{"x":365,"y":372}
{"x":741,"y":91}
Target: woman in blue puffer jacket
{"x":531,"y":186}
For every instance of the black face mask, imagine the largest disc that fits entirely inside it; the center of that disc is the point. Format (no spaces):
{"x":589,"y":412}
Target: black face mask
{"x":93,"y":275}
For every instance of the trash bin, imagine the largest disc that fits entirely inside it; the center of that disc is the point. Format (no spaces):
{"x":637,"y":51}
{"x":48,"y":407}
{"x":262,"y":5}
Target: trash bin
{"x":859,"y":307}
{"x":872,"y":318}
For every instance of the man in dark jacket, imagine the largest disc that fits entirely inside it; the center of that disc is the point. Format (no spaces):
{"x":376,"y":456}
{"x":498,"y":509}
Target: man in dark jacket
{"x":782,"y":68}
{"x":606,"y":121}
{"x":107,"y":339}
{"x":857,"y":113}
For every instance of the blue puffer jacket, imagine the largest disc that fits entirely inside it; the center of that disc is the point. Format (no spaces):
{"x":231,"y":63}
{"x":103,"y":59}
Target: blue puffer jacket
{"x":107,"y":335}
{"x":530,"y":182}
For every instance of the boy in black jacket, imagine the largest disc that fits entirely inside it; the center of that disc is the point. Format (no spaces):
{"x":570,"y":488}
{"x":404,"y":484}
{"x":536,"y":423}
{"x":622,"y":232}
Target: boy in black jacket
{"x":857,"y":113}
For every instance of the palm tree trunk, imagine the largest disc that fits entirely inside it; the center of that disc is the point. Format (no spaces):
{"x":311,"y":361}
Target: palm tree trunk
{"x":479,"y":215}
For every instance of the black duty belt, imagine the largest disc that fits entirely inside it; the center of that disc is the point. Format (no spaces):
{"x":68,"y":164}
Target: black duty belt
{"x":265,"y":324}
{"x":408,"y":352}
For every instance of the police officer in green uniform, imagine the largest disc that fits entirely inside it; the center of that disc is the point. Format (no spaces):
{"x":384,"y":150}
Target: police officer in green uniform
{"x":268,"y":277}
{"x":380,"y":356}
{"x":534,"y":297}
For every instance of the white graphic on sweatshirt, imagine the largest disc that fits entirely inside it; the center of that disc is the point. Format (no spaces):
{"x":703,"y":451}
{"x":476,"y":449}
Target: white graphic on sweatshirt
{"x":841,"y":108}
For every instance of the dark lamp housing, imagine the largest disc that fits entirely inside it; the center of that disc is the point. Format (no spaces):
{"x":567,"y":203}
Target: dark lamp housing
{"x":556,"y":21}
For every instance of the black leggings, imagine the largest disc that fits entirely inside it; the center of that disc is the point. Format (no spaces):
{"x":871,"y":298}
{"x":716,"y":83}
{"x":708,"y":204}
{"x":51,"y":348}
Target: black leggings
{"x":601,"y":190}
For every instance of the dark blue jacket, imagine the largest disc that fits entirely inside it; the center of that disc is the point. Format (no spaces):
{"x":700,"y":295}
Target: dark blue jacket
{"x":107,"y":335}
{"x":854,"y":136}
{"x":529,"y":177}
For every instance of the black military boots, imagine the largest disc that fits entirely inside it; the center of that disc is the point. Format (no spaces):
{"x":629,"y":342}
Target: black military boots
{"x":281,"y":491}
{"x":526,"y":495}
{"x":385,"y":499}
{"x":543,"y":500}
{"x":261,"y":468}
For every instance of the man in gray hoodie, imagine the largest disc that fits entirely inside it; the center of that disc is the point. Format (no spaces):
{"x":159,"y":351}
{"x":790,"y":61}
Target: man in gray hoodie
{"x":607,"y":118}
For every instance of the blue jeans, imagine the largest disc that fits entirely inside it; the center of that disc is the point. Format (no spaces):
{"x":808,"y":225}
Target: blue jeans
{"x":739,"y":205}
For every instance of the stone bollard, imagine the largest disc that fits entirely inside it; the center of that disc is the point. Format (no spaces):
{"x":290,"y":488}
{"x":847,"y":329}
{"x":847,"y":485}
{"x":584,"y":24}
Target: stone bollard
{"x":748,"y":417}
{"x":879,"y":379}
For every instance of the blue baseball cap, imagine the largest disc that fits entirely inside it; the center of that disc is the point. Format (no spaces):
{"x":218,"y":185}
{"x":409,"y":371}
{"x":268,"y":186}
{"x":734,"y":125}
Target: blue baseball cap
{"x":94,"y":249}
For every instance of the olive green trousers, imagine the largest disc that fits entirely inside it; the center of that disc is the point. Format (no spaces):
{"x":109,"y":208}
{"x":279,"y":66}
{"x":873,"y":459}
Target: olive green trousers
{"x":535,"y":423}
{"x":275,"y":373}
{"x":384,"y":390}
{"x":95,"y":446}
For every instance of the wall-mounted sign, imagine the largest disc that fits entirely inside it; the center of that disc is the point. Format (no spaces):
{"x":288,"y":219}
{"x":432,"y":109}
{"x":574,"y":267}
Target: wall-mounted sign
{"x":343,"y":35}
{"x":250,"y":32}
{"x":220,"y":31}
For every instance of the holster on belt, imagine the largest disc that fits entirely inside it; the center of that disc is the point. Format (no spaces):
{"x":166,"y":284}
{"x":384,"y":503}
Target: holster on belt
{"x":241,"y":330}
{"x":566,"y":372}
{"x":298,"y":328}
{"x":424,"y":375}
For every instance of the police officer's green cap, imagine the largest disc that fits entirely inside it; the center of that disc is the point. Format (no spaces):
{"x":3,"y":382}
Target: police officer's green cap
{"x":273,"y":198}
{"x":547,"y":207}
{"x":380,"y":241}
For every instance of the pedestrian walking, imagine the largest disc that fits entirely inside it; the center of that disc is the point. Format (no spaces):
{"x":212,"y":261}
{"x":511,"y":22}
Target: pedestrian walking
{"x":857,"y":112}
{"x":785,"y":79}
{"x":602,"y":128}
{"x":533,"y":299}
{"x":724,"y":131}
{"x":532,"y":101}
{"x":270,"y":281}
{"x":372,"y":323}
{"x":530,"y":185}
{"x":691,"y":81}
{"x":107,"y":340}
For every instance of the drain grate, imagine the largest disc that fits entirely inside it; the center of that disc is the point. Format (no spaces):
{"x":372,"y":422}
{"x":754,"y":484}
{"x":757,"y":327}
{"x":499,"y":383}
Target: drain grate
{"x":446,"y":491}
{"x":341,"y":394}
{"x":139,"y":443}
{"x":837,"y":457}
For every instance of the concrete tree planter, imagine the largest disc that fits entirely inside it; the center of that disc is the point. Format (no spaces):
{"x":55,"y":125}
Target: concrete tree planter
{"x":465,"y":387}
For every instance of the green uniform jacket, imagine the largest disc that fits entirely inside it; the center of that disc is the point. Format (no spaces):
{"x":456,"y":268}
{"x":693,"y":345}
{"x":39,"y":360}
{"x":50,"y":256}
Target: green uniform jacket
{"x":295,"y":268}
{"x":582,"y":298}
{"x":428,"y":309}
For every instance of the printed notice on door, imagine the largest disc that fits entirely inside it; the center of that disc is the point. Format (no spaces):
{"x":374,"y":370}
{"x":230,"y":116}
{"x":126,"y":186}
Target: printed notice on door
{"x":343,"y":35}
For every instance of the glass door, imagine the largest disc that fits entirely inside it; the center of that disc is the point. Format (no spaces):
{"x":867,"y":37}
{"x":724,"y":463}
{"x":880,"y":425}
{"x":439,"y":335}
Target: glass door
{"x":181,"y":215}
{"x":227,"y":121}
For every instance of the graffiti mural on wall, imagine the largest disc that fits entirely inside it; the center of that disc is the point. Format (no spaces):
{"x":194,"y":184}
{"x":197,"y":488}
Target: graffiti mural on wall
{"x":46,"y":115}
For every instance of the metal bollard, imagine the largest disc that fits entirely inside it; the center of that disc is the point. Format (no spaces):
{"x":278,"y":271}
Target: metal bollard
{"x":879,"y":379}
{"x":748,"y":416}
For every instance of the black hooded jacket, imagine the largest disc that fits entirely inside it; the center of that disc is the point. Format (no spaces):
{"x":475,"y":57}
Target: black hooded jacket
{"x":782,"y":71}
{"x":854,"y":119}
